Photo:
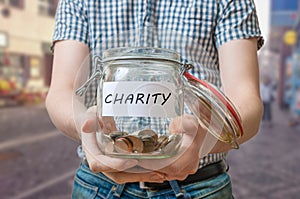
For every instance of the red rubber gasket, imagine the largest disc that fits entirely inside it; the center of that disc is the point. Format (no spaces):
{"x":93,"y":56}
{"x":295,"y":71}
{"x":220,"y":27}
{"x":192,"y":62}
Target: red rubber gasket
{"x":219,"y":96}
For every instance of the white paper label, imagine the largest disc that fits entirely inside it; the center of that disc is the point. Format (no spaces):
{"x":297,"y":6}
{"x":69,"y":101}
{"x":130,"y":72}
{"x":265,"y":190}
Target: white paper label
{"x":139,"y":98}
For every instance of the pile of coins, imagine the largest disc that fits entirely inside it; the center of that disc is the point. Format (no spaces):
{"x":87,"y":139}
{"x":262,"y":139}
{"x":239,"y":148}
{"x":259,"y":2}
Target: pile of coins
{"x":144,"y":141}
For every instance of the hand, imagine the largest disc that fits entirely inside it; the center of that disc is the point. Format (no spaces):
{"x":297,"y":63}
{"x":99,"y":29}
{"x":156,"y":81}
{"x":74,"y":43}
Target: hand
{"x":117,"y":169}
{"x":186,"y":162}
{"x":98,"y":162}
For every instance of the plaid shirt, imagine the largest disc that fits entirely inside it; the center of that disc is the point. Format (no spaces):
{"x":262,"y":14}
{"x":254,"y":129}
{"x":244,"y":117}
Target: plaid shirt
{"x":193,"y":28}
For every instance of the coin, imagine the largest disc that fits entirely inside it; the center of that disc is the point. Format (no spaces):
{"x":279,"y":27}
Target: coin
{"x":148,"y":132}
{"x":122,"y":145}
{"x":137,"y":143}
{"x":173,"y":143}
{"x":149,"y":143}
{"x":161,"y":142}
{"x":116,"y":134}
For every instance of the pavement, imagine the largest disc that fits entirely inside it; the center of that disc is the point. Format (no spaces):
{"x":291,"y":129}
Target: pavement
{"x":267,"y":166}
{"x":38,"y":162}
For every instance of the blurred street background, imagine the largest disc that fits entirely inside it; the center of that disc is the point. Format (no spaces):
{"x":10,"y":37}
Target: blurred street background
{"x":38,"y":162}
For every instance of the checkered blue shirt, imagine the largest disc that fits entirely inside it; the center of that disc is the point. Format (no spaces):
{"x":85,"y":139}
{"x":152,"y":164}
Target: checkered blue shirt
{"x":194,"y":28}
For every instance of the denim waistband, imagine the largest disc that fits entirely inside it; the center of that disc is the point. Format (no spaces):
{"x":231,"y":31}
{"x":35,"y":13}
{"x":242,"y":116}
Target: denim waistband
{"x":203,"y":173}
{"x":88,"y":184}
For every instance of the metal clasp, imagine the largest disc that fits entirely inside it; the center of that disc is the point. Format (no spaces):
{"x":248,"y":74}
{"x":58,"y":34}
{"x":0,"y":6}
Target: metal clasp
{"x":185,"y":67}
{"x":96,"y":75}
{"x":82,"y":89}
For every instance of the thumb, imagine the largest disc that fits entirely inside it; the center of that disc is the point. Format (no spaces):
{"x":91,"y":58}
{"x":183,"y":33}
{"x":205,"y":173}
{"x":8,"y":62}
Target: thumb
{"x":186,"y":124}
{"x":89,"y":121}
{"x":90,"y":125}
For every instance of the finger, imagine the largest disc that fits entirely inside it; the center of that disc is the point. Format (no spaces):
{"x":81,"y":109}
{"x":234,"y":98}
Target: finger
{"x":180,"y":175}
{"x":99,"y":162}
{"x":124,"y":177}
{"x":92,"y":109}
{"x":90,"y":125}
{"x":189,"y":127}
{"x":174,"y":172}
{"x":180,"y":166}
{"x":187,"y":124}
{"x":109,"y":124}
{"x":186,"y":161}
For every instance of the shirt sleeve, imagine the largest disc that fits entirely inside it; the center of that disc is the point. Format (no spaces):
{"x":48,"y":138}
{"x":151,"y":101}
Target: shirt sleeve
{"x":237,"y":20}
{"x":71,"y":22}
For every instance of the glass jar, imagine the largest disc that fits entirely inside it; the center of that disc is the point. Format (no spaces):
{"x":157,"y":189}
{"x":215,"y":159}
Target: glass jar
{"x":140,"y":90}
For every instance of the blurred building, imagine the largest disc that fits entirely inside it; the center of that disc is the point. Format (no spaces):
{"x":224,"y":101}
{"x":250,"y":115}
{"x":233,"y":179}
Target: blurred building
{"x":282,"y":43}
{"x":26,"y":29}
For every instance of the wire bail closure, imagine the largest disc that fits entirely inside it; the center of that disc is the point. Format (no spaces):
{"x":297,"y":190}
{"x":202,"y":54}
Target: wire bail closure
{"x":96,"y":75}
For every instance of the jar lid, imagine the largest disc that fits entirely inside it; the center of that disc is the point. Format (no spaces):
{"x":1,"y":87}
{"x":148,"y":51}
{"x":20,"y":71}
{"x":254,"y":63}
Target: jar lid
{"x":214,"y":102}
{"x":136,"y":53}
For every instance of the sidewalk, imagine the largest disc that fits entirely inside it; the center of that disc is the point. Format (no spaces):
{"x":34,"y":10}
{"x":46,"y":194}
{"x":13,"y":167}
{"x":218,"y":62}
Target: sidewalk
{"x":267,"y":167}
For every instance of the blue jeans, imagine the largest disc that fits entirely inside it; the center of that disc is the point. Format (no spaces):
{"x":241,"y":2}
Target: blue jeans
{"x":89,"y":185}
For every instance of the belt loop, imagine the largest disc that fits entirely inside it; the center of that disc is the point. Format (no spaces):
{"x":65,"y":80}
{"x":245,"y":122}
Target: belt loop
{"x":119,"y":190}
{"x":178,"y":191}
